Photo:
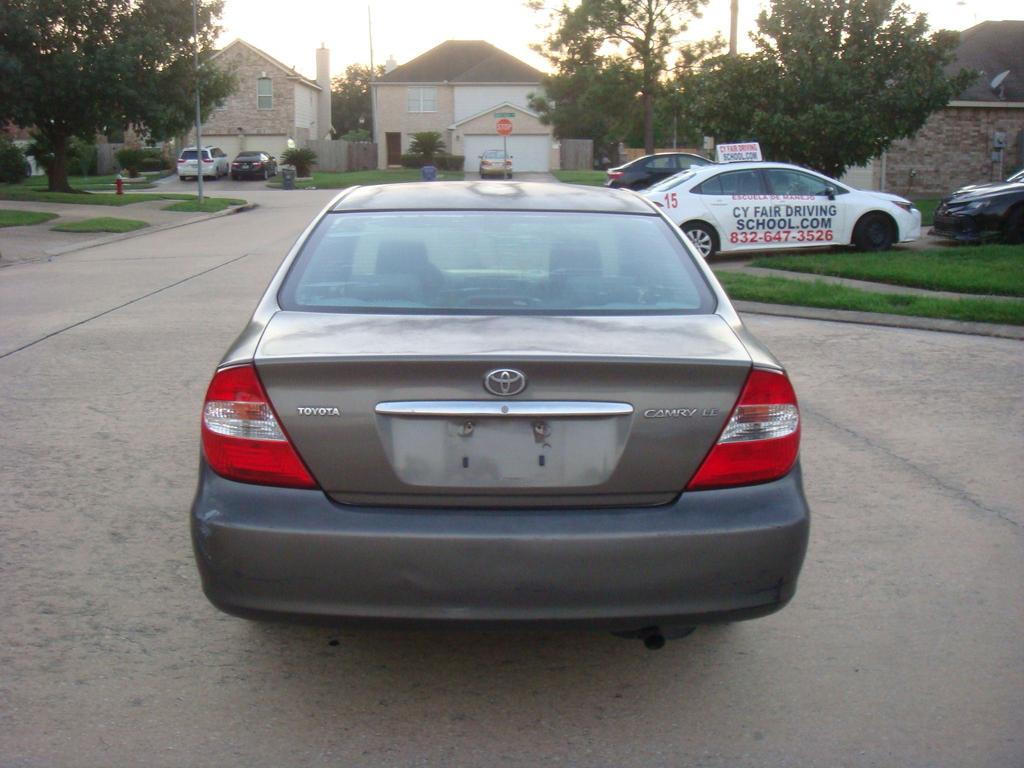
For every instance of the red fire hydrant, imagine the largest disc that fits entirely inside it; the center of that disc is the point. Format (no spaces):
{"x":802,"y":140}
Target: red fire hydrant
{"x":119,"y":185}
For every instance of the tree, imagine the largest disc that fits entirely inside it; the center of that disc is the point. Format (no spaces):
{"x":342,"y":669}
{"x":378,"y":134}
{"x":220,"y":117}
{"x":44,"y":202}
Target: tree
{"x":351,"y":108}
{"x":80,"y":67}
{"x":641,"y":34}
{"x":426,"y":144}
{"x":832,"y":83}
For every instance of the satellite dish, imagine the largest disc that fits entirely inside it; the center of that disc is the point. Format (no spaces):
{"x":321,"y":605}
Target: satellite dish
{"x":998,"y":80}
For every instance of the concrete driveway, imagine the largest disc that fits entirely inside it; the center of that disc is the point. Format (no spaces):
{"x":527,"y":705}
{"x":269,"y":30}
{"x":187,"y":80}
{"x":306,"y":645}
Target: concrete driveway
{"x":901,"y":648}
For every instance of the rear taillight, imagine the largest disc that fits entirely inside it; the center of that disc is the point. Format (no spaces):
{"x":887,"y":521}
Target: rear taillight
{"x":761,"y":439}
{"x":242,"y":438}
{"x":615,"y":174}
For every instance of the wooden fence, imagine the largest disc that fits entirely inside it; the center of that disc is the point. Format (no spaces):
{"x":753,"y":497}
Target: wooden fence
{"x":340,"y":156}
{"x":577,"y":154}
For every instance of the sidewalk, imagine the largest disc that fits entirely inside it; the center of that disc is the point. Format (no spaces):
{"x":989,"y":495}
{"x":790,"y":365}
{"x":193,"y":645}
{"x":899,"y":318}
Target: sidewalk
{"x":38,"y":241}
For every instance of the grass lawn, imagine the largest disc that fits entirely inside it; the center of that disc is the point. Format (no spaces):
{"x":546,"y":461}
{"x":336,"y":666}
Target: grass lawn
{"x":21,"y":192}
{"x":986,"y":269}
{"x":210,"y":204}
{"x":24,"y":218}
{"x":590,"y":178}
{"x":101,"y":224}
{"x":326,"y":180}
{"x":97,"y":183}
{"x":927,"y":208}
{"x":776,"y":290}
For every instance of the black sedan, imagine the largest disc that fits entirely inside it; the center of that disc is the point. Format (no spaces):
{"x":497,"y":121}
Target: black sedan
{"x":650,"y":169}
{"x":253,"y":165}
{"x":983,"y":212}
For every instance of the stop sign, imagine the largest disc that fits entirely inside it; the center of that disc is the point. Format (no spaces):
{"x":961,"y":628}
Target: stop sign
{"x":504,"y":126}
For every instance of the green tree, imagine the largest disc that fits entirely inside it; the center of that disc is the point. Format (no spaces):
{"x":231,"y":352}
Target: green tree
{"x":832,"y":83}
{"x":426,"y":144}
{"x":80,"y":67}
{"x":640,"y":34}
{"x":351,"y":108}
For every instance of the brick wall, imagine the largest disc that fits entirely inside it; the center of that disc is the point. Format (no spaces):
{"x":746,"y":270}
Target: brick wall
{"x":953,"y":148}
{"x":240,"y":108}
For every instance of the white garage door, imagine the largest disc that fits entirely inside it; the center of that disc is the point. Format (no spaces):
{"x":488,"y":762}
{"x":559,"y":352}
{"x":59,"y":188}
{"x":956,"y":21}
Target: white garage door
{"x":529,"y":153}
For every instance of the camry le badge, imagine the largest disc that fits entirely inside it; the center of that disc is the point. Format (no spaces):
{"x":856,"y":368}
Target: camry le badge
{"x":505,"y":382}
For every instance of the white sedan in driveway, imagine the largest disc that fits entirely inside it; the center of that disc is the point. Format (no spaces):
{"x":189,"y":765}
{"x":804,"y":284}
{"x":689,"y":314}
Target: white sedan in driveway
{"x":761,"y":206}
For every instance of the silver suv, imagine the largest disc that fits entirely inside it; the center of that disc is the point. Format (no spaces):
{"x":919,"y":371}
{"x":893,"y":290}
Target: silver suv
{"x":215,"y":163}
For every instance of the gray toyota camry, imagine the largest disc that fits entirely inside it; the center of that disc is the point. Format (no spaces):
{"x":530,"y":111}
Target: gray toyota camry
{"x":496,"y":403}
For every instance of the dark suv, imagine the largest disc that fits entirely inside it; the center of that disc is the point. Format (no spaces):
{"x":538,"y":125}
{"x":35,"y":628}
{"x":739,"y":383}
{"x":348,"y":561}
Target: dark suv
{"x":650,"y":169}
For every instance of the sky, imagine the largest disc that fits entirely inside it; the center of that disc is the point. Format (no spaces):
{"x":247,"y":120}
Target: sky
{"x":406,"y":28}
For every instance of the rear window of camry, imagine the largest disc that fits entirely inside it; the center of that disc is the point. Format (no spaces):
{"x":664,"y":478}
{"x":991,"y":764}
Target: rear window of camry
{"x":495,"y":262}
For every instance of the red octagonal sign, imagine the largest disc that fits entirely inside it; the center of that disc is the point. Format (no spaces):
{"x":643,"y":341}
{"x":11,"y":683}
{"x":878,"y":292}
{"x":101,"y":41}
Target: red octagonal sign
{"x":504,"y":126}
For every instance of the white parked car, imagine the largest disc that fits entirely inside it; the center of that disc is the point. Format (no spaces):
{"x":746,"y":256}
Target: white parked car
{"x":761,"y":206}
{"x":215,"y":163}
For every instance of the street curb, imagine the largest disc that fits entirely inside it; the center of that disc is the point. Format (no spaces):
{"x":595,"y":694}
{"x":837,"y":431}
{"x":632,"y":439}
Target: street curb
{"x":138,"y":233}
{"x":993,"y":330}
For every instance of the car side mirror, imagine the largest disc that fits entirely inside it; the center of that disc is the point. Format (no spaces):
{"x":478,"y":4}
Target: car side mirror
{"x":830,"y":192}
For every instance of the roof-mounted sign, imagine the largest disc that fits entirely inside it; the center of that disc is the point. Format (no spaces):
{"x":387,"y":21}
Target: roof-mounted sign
{"x":749,"y":151}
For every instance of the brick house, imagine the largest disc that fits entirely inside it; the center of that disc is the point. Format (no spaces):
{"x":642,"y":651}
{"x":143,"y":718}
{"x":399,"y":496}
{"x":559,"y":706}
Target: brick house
{"x":959,"y":144}
{"x":272,"y":104}
{"x":460,"y":89}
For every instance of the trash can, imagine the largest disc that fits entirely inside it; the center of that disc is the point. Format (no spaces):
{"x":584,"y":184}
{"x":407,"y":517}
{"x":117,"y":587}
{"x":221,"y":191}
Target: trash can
{"x":287,"y":177}
{"x":428,"y":173}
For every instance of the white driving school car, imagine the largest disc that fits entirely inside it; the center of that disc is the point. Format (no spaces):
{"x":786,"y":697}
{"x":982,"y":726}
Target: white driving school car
{"x":761,"y":206}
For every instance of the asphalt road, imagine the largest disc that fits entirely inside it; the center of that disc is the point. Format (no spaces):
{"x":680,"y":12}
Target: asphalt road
{"x":903,"y":646}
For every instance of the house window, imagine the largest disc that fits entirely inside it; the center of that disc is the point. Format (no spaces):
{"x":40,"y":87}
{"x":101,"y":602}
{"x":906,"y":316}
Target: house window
{"x":422,"y":99}
{"x":264,"y":94}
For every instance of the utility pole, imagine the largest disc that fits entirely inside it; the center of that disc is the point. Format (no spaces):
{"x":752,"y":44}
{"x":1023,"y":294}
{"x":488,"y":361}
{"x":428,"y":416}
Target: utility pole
{"x":734,"y":12}
{"x":373,"y":92}
{"x":199,"y":130}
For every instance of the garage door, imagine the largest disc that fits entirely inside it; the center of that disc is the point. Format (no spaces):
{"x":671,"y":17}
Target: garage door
{"x":529,"y":153}
{"x":232,"y":145}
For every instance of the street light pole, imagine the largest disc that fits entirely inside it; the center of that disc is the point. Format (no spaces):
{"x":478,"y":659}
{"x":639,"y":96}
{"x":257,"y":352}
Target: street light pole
{"x":199,"y":131}
{"x":734,"y":12}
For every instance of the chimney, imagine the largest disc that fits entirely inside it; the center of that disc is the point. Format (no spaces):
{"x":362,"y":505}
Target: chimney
{"x":390,"y":64}
{"x":323,"y":104}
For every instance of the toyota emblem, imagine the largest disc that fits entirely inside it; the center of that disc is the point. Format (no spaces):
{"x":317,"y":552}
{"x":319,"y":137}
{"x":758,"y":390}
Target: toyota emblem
{"x":504,"y":382}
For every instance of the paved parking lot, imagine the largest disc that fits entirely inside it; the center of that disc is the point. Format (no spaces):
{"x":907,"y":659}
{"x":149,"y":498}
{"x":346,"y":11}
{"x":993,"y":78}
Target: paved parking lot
{"x":902,"y":647}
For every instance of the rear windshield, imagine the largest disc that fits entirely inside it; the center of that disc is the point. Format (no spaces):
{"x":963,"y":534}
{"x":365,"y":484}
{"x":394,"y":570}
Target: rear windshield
{"x":495,"y":262}
{"x":190,"y":154}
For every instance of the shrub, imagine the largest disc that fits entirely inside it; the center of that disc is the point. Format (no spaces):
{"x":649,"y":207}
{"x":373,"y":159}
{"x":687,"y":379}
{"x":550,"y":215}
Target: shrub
{"x":12,"y":161}
{"x":450,"y":162}
{"x":130,"y":159}
{"x":359,"y":134}
{"x":413,"y":161}
{"x":82,"y":156}
{"x":302,"y":158}
{"x":426,"y":144}
{"x":153,"y":161}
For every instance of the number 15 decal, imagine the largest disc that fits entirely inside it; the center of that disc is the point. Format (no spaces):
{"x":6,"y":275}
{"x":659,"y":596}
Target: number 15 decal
{"x":671,"y":200}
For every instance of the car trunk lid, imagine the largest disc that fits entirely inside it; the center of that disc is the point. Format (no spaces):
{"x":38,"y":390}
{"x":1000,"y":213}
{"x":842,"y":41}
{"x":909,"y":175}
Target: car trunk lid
{"x":395,"y":409}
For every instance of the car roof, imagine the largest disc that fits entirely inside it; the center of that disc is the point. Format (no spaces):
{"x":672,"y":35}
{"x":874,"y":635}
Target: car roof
{"x":491,"y":195}
{"x":755,"y":165}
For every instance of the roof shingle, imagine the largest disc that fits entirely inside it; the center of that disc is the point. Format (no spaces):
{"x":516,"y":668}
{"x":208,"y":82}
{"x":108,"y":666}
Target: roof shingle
{"x":464,"y":61}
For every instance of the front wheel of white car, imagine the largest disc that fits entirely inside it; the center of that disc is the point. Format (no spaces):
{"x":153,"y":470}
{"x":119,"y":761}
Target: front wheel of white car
{"x":703,"y":237}
{"x":874,"y":232}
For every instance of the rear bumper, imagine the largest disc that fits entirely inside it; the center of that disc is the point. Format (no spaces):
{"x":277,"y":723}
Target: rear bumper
{"x":710,"y":556}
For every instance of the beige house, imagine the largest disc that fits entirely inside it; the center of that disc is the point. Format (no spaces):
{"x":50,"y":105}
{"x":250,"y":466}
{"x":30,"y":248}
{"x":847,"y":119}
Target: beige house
{"x":461,"y":89}
{"x":272,"y":104}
